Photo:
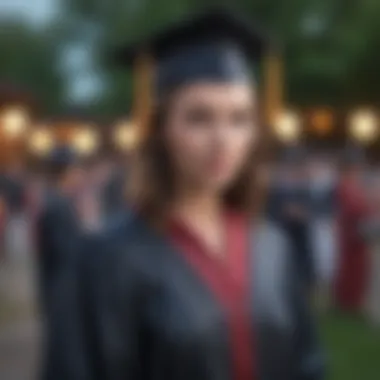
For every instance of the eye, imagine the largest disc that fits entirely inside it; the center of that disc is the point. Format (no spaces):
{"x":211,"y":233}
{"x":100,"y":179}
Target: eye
{"x":198,"y":115}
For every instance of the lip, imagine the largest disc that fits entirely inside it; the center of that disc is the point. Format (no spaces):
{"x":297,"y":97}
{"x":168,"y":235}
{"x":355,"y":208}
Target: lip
{"x":217,"y":167}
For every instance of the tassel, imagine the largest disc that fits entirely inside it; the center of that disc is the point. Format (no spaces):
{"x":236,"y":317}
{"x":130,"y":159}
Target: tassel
{"x":273,"y":87}
{"x":142,"y":96}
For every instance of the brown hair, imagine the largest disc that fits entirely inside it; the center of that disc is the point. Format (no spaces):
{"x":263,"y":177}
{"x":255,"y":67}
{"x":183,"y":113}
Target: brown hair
{"x":150,"y":186}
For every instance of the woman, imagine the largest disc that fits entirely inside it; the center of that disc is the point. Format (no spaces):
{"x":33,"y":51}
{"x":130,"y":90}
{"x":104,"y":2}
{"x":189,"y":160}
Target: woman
{"x":353,"y":267}
{"x":323,"y":225}
{"x":188,"y":289}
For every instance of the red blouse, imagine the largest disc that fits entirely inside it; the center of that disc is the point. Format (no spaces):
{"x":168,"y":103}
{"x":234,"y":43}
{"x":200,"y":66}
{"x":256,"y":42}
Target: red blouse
{"x":228,"y":280}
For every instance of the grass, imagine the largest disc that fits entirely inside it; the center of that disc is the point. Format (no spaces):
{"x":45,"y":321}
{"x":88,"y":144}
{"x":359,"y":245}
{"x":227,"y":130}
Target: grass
{"x":353,"y":348}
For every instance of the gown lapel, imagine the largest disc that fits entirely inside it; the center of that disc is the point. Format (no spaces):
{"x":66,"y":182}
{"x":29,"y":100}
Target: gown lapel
{"x":228,"y":282}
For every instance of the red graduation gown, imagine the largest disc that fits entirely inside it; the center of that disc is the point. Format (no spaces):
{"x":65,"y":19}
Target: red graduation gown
{"x":228,"y":280}
{"x":352,"y":276}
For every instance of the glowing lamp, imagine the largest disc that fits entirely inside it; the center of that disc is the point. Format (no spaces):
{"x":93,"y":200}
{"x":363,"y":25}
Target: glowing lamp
{"x":363,"y":126}
{"x":287,"y":127}
{"x":41,"y":142}
{"x":322,"y":121}
{"x":14,"y":121}
{"x":125,"y":136}
{"x":85,"y":141}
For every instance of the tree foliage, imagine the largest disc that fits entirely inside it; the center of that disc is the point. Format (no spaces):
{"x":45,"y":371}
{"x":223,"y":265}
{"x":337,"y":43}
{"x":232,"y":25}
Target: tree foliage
{"x":28,"y":59}
{"x":330,"y":46}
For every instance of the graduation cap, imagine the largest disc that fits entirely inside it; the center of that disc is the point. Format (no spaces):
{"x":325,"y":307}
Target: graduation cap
{"x":217,"y":45}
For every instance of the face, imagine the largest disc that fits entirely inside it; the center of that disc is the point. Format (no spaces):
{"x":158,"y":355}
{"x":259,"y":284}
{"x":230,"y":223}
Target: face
{"x":210,"y":131}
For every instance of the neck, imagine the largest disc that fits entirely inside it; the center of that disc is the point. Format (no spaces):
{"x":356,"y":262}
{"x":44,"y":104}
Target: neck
{"x":190,"y":203}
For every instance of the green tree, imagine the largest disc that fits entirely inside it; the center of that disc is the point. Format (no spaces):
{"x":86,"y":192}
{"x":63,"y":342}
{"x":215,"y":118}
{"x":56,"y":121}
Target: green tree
{"x":28,"y":58}
{"x":330,"y":46}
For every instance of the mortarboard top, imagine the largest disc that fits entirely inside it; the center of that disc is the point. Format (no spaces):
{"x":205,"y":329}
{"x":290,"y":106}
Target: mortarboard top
{"x":217,"y":45}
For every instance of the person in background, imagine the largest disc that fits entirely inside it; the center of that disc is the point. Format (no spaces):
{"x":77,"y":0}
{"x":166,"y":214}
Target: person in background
{"x":353,"y":261}
{"x":3,"y":223}
{"x":13,"y":189}
{"x":371,"y":230}
{"x":114,"y":190}
{"x":89,"y":200}
{"x":34,"y":204}
{"x":289,"y":206}
{"x":57,"y":229}
{"x":323,"y":191}
{"x":192,"y":288}
{"x":58,"y":237}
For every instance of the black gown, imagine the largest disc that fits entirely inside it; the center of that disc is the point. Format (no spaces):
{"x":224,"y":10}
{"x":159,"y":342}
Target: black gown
{"x":143,"y":311}
{"x":57,"y":238}
{"x":298,"y":231}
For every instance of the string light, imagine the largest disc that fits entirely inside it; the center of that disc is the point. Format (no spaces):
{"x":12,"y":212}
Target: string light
{"x":287,"y":126}
{"x":322,"y":121}
{"x":85,"y":141}
{"x":363,"y":126}
{"x":14,"y":121}
{"x":41,"y":142}
{"x":125,"y":136}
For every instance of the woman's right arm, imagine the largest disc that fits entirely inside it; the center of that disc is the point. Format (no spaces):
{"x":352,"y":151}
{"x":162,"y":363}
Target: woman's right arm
{"x":97,"y":336}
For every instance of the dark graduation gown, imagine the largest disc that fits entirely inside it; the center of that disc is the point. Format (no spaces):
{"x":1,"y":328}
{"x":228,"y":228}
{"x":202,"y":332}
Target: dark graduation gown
{"x":57,"y":238}
{"x":297,"y":230}
{"x":151,"y":308}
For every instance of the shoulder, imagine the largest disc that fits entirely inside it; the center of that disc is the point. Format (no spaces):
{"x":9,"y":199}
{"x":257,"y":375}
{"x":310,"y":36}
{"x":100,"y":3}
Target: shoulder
{"x":122,"y":253}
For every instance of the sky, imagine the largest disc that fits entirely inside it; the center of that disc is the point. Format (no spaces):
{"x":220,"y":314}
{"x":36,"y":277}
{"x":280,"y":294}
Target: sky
{"x":83,"y":83}
{"x":34,"y":11}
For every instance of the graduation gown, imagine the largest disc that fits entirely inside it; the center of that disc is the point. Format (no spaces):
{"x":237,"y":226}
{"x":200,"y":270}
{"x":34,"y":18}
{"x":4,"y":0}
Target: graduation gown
{"x":298,"y":231}
{"x":113,"y":194}
{"x":353,"y":268}
{"x":372,"y":307}
{"x":56,"y":238}
{"x":146,"y":310}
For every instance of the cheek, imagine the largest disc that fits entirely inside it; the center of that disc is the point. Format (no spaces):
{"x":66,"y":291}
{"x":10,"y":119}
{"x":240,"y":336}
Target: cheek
{"x":241,"y":142}
{"x":188,"y":145}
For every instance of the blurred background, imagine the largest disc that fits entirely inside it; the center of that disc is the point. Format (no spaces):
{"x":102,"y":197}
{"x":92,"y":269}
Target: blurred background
{"x":57,"y":84}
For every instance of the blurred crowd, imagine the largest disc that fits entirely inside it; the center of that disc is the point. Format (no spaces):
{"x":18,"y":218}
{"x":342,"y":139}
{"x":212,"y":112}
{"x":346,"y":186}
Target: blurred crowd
{"x":328,"y":203}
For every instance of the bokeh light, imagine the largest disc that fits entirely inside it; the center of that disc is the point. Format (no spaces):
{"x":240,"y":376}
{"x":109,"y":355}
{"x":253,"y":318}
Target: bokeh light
{"x":41,"y":141}
{"x":14,"y":121}
{"x":125,"y":136}
{"x":85,"y":141}
{"x":363,"y":126}
{"x":287,"y":126}
{"x":322,"y":121}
